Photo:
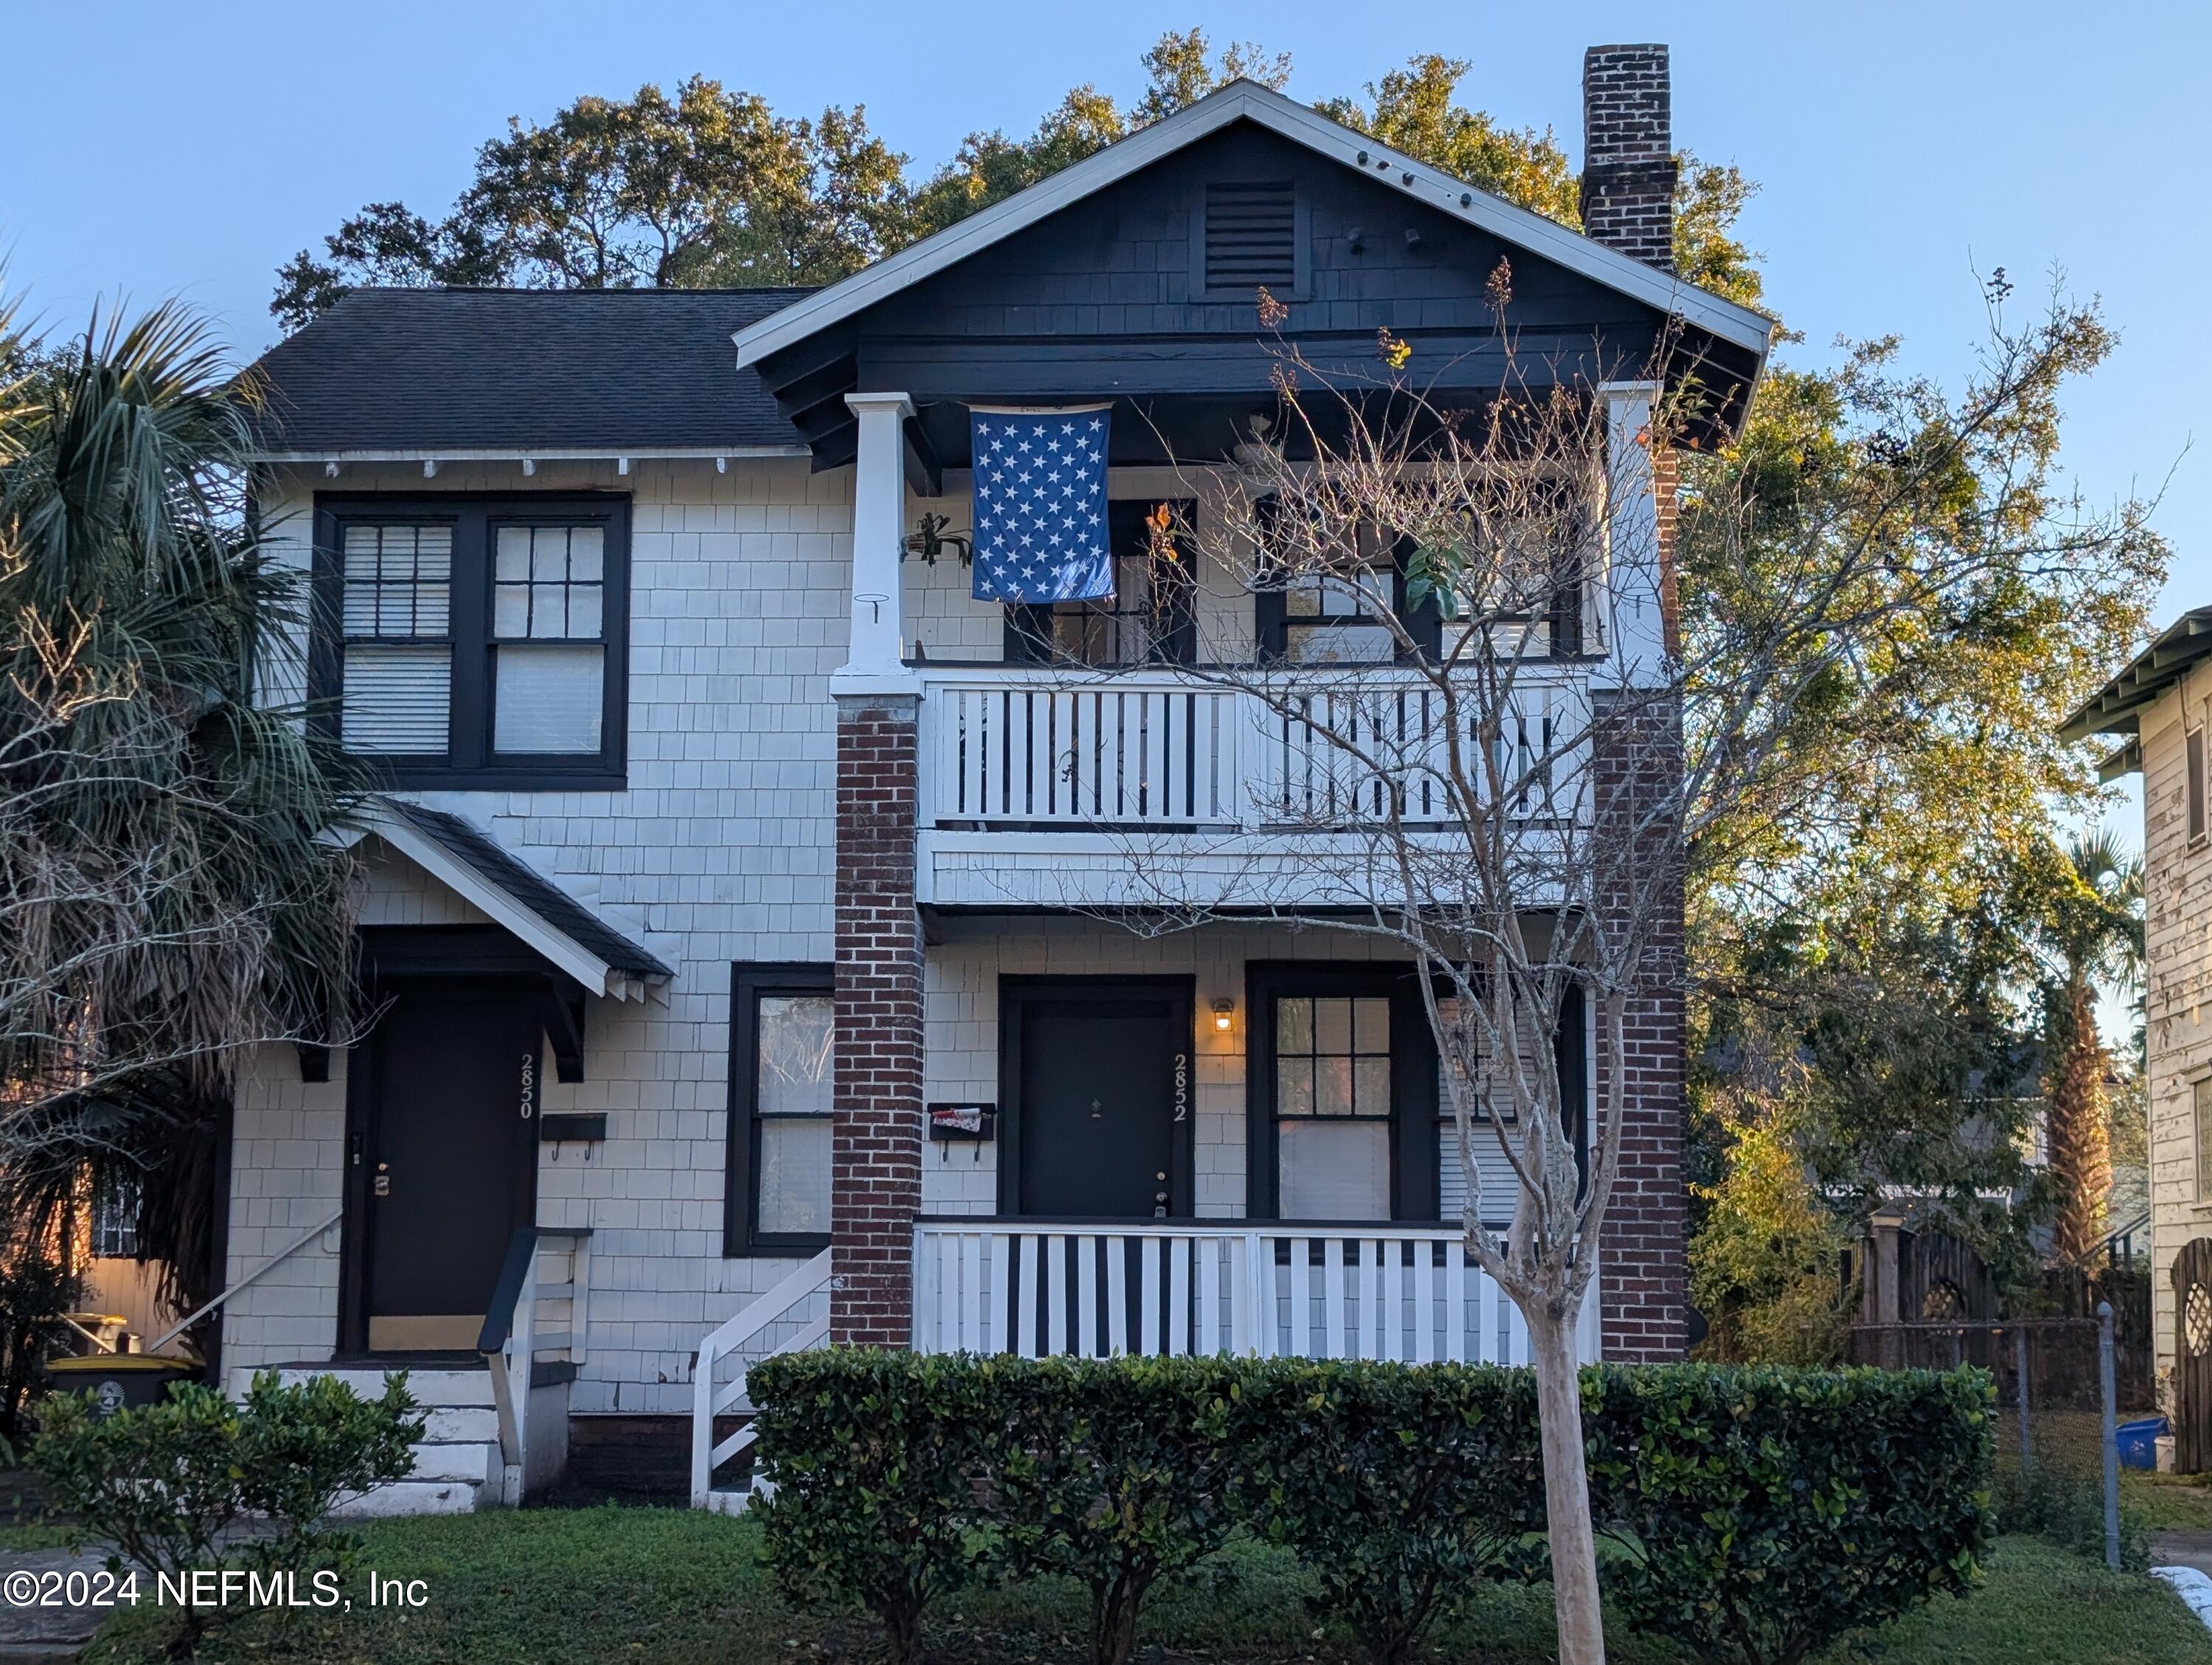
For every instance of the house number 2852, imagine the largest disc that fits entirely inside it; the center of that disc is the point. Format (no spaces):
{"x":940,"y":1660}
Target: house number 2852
{"x":1183,"y":1086}
{"x":529,"y":1086}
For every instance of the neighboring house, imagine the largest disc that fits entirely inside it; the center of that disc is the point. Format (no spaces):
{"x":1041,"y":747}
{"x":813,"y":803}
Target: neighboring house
{"x":2161,"y":702}
{"x":705,"y":951}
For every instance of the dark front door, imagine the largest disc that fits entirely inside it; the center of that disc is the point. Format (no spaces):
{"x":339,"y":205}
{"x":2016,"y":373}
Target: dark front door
{"x":1101,"y":1079}
{"x":447,"y":1157}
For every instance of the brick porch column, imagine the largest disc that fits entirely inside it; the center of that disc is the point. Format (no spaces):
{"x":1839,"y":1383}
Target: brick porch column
{"x":876,"y":1165}
{"x":875,"y":1184}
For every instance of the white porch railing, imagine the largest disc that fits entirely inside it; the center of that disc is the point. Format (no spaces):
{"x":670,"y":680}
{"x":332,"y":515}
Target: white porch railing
{"x":800,"y":1306}
{"x":1047,"y":748}
{"x":1098,"y":1290}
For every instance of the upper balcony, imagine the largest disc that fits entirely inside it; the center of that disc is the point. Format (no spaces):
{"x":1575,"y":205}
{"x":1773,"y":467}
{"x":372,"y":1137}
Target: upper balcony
{"x":1062,"y":787}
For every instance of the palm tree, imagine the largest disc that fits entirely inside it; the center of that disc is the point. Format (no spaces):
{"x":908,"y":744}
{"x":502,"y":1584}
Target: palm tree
{"x":2096,"y":932}
{"x":165,"y":897}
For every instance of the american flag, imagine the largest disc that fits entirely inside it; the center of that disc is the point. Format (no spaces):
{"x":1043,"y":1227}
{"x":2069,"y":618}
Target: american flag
{"x":1041,"y":504}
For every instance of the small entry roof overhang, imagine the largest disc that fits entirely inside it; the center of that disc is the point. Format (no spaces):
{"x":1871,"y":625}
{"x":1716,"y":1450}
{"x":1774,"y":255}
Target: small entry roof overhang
{"x":516,"y":897}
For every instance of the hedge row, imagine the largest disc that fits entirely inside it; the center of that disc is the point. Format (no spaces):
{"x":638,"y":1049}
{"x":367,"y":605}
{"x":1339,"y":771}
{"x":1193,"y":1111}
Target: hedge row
{"x":1762,"y":1512}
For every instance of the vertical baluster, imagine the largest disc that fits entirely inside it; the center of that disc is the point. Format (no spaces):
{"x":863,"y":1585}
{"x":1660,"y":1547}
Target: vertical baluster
{"x":1088,"y":1342}
{"x":969,"y":1247}
{"x":1242,"y":1255}
{"x":1425,"y":1334}
{"x":1056,"y":1294}
{"x":1370,"y":1303}
{"x":1301,"y":1282}
{"x":1178,"y":1297}
{"x":1332,"y":1297}
{"x":1486,"y":1318}
{"x":1117,"y":1296}
{"x":1455,"y":1302}
{"x":1025,"y":1328}
{"x":1148,"y":1296}
{"x":1515,"y":1347}
{"x":999,"y":1336}
{"x":1390,"y":1298}
{"x":1209,"y":1294}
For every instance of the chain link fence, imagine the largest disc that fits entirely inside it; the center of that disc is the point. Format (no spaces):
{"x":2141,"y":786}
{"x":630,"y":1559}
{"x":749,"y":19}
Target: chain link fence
{"x":2061,"y":1397}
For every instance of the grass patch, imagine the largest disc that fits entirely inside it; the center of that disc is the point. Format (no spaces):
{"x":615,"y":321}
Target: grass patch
{"x":2169,"y":1502}
{"x":584,"y":1587}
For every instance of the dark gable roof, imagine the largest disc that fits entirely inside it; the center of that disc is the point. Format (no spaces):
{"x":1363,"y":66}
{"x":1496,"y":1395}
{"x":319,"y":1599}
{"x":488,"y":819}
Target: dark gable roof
{"x":529,"y":888}
{"x":496,"y":370}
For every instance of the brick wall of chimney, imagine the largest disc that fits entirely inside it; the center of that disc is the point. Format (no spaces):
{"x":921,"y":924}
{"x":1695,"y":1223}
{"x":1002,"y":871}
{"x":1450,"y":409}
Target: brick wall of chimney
{"x":1628,"y":152}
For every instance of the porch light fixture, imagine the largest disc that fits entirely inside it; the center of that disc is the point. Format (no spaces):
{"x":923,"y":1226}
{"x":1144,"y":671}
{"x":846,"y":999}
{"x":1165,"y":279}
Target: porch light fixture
{"x":1225,"y":1013}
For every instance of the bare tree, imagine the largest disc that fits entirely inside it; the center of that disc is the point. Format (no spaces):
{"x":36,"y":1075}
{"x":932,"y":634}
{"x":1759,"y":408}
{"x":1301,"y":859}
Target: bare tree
{"x":1494,"y":739}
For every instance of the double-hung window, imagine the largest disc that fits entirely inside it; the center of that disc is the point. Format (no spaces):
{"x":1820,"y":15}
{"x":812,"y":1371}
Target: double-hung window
{"x":782,"y":1025}
{"x":473,"y":640}
{"x":1341,"y":1094}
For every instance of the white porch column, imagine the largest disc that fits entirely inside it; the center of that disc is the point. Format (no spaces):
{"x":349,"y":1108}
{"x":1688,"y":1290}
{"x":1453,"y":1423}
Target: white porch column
{"x":878,"y":525}
{"x":1629,"y":581}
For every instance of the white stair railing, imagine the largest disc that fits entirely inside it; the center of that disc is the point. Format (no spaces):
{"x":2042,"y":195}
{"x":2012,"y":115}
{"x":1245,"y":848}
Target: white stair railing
{"x":726,"y":1356}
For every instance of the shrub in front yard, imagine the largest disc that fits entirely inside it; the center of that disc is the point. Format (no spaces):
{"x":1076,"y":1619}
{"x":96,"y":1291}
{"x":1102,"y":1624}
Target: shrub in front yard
{"x":876,"y":1458}
{"x":1117,"y":1473}
{"x":164,"y":1481}
{"x":1766,"y":1511}
{"x":1772,"y":1510}
{"x":1401,"y":1489}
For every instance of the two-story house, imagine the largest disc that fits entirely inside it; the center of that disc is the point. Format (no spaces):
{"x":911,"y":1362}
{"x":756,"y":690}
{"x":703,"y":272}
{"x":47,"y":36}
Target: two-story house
{"x":739,"y":937}
{"x":2160,"y":704}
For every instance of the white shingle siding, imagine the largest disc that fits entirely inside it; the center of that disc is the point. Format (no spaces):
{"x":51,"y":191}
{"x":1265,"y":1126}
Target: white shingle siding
{"x":2178,"y":993}
{"x":720,"y":850}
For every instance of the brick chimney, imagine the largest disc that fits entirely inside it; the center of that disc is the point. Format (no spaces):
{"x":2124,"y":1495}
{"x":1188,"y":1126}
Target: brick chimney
{"x":1628,"y":152}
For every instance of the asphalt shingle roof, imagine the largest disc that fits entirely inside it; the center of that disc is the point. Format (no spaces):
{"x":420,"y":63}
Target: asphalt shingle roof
{"x":531,"y":888}
{"x":513,"y":369}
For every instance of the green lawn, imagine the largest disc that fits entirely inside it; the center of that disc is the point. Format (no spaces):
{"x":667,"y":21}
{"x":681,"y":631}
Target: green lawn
{"x":588,"y":1586}
{"x":2168,"y":1502}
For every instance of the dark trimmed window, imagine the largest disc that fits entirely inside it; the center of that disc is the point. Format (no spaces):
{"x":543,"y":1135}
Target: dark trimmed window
{"x":1151,"y":617}
{"x":475,"y":641}
{"x":2193,"y":755}
{"x":1341,"y":1094}
{"x":782,"y":1028}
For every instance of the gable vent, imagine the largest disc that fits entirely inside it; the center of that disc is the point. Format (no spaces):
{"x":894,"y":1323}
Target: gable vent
{"x":1251,"y":236}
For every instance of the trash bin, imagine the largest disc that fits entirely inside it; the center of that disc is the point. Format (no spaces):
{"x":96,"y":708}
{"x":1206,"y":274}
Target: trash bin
{"x":118,"y":1379}
{"x":2138,"y":1442}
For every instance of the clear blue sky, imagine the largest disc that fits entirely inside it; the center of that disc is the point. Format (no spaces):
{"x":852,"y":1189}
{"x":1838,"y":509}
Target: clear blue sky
{"x":160,"y":148}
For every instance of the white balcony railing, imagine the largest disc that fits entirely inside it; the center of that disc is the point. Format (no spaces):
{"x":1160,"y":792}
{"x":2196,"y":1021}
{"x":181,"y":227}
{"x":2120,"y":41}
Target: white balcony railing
{"x":1099,"y":1290}
{"x":1050,"y":749}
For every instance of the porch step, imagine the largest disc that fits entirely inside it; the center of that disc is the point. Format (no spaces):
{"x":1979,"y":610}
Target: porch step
{"x":457,"y":1466}
{"x":433,"y":1388}
{"x":412,"y":1497}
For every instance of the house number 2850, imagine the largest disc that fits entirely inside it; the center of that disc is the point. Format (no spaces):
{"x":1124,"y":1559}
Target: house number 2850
{"x":529,"y":1086}
{"x":1183,"y":1086}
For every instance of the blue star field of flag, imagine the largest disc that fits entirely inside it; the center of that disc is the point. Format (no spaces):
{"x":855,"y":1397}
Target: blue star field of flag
{"x":1040,"y":505}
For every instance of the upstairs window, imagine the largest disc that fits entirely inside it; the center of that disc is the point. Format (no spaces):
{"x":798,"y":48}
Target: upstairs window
{"x":1251,"y":236}
{"x":2193,"y":746}
{"x":1150,"y":619}
{"x":475,"y":641}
